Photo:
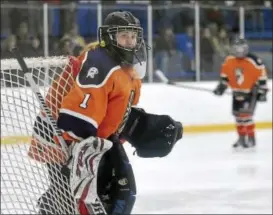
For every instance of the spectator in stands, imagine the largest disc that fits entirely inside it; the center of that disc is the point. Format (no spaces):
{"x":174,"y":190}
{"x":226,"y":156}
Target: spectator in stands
{"x":66,"y":47}
{"x":165,"y":48}
{"x":206,"y":51}
{"x":188,"y":50}
{"x":22,"y":34}
{"x":76,"y":41}
{"x":26,"y":42}
{"x":36,"y":47}
{"x":54,"y":46}
{"x":31,"y":48}
{"x":224,"y":41}
{"x":219,"y":51}
{"x":7,"y":45}
{"x":73,"y":35}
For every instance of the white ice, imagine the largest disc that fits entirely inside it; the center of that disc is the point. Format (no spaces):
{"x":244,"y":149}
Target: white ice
{"x":201,"y":175}
{"x":204,"y":175}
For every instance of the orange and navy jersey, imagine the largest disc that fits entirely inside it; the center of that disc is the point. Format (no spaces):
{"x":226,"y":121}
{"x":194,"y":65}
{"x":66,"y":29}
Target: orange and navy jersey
{"x":242,"y":74}
{"x":100,"y":99}
{"x":92,"y":97}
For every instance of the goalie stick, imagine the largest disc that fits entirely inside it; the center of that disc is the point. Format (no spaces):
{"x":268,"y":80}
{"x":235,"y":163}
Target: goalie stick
{"x":165,"y":80}
{"x":39,"y":97}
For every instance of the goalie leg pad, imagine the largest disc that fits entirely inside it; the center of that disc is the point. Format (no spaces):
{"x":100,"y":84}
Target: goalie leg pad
{"x":86,"y":157}
{"x":124,"y":189}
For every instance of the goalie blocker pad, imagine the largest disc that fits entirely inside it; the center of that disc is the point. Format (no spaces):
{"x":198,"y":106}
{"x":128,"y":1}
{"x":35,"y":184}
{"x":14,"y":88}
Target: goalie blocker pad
{"x":152,"y":135}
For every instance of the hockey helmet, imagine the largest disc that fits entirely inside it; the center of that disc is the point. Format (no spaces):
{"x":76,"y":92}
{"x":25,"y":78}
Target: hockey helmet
{"x":239,"y":48}
{"x":124,"y":25}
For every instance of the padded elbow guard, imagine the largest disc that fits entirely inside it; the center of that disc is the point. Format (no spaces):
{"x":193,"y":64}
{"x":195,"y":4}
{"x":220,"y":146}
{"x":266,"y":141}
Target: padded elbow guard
{"x":152,"y":135}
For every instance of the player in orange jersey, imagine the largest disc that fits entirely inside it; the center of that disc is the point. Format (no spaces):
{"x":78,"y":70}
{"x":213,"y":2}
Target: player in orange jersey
{"x":95,"y":113}
{"x":246,"y":75}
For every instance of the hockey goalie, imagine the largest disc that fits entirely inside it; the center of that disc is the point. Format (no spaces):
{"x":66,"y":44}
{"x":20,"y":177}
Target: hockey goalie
{"x":93,"y":101}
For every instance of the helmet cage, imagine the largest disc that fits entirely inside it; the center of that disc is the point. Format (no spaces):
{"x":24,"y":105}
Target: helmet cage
{"x":111,"y":34}
{"x":239,"y":48}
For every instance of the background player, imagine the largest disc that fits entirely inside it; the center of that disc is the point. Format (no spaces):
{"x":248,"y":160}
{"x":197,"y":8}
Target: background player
{"x":246,"y":75}
{"x":99,"y":104}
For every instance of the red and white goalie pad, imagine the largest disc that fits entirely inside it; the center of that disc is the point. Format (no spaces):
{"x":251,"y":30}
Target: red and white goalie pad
{"x":84,"y":172}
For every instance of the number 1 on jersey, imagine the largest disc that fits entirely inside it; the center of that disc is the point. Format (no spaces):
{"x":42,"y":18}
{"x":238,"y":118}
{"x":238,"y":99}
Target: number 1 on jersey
{"x":85,"y":101}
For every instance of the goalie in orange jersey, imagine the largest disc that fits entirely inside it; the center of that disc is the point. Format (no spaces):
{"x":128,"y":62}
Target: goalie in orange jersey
{"x":95,"y":112}
{"x":246,"y":75}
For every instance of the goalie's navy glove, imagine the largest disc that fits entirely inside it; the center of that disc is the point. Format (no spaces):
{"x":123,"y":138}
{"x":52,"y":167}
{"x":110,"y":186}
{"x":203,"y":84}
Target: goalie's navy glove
{"x":152,"y":135}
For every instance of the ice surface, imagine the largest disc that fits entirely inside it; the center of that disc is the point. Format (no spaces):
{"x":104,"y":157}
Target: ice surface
{"x":204,"y":174}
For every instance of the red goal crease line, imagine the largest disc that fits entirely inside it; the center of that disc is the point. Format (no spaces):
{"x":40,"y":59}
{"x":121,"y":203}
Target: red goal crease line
{"x":188,"y":129}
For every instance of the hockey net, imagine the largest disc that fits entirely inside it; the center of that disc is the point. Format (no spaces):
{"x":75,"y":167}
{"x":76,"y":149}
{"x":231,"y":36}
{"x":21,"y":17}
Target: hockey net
{"x":24,"y":181}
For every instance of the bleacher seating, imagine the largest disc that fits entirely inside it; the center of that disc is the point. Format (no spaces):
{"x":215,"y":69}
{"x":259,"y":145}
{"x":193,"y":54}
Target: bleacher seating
{"x":87,"y":20}
{"x":86,"y":17}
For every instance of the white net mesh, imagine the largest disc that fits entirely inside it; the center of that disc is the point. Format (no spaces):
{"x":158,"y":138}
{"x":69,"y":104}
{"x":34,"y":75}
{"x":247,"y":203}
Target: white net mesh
{"x":29,"y":186}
